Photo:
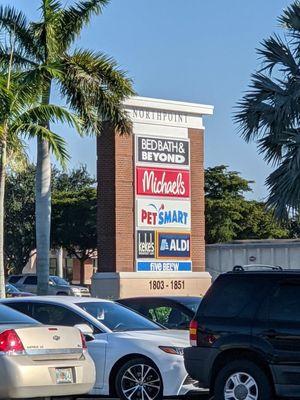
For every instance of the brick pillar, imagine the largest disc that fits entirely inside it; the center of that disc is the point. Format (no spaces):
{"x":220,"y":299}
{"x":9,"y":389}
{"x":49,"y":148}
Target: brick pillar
{"x":197,"y":198}
{"x":115,"y":215}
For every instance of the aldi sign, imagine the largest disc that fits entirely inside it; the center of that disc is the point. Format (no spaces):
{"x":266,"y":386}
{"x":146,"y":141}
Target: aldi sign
{"x":163,"y":213}
{"x":164,"y":266}
{"x":162,"y":182}
{"x":145,"y":244}
{"x":173,"y":245}
{"x":154,"y":150}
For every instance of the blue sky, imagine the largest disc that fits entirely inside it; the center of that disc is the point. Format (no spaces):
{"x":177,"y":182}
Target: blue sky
{"x":192,"y":50}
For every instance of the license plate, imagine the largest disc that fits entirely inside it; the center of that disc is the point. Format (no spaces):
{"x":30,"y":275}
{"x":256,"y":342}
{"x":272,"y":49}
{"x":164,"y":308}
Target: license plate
{"x":64,"y":375}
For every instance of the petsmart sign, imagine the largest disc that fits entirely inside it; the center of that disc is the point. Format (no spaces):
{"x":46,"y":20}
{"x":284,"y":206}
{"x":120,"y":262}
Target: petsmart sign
{"x":152,"y":213}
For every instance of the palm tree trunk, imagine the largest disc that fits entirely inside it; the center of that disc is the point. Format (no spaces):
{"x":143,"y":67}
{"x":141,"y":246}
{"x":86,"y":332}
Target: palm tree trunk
{"x":43,"y":208}
{"x":2,"y":192}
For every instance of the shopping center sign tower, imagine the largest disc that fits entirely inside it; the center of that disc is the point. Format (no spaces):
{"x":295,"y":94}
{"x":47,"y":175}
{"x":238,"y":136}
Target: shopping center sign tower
{"x":151,"y":202}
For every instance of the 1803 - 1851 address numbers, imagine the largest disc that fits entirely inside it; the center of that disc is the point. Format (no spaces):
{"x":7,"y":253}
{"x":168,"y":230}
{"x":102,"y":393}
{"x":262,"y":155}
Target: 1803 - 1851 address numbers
{"x":161,"y":285}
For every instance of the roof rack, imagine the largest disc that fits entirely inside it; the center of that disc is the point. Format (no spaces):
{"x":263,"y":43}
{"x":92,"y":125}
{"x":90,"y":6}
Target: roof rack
{"x":243,"y":268}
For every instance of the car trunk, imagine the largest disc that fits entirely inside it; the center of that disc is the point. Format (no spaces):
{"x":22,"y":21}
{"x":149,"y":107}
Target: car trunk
{"x":51,"y":342}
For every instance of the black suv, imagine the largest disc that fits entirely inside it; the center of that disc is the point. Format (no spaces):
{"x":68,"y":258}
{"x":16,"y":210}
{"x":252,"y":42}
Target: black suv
{"x":245,"y":336}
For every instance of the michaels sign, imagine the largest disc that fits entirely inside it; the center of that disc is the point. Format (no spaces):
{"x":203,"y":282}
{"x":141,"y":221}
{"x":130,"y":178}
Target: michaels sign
{"x":164,"y":151}
{"x":163,"y":213}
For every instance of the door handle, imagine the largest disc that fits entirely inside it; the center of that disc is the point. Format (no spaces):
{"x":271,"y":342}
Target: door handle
{"x":271,"y":333}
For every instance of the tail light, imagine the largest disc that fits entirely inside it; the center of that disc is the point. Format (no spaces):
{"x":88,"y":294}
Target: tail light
{"x":193,"y":332}
{"x":83,"y":341}
{"x":10,"y":343}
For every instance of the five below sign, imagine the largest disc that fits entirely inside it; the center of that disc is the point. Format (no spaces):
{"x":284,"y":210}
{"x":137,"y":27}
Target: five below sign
{"x":162,"y":182}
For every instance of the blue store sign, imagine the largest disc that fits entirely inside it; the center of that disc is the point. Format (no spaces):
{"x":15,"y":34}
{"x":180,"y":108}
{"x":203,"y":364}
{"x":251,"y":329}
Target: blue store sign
{"x":173,"y":245}
{"x":163,"y":266}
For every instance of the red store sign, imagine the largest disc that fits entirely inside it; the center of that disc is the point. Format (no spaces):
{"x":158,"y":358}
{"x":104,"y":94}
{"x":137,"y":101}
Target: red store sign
{"x":162,"y":182}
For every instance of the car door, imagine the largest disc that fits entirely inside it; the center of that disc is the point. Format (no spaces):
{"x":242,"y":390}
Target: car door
{"x":29,"y":284}
{"x":283,"y":331}
{"x":54,"y":314}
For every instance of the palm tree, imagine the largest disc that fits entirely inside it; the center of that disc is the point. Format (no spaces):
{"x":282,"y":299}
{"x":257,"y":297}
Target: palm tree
{"x":90,"y":83}
{"x":19,"y":118}
{"x":269,"y":113}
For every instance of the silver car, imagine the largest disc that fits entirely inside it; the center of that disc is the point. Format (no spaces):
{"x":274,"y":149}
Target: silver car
{"x":57,"y":285}
{"x":41,"y":361}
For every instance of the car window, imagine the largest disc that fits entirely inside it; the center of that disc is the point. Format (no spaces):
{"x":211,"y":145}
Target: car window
{"x":20,"y":306}
{"x":229,"y":297}
{"x":284,"y":305}
{"x":52,"y":314}
{"x":116,"y":317}
{"x":169,"y":316}
{"x":10,"y":316}
{"x":30,"y":280}
{"x":14,"y":279}
{"x":59,"y":281}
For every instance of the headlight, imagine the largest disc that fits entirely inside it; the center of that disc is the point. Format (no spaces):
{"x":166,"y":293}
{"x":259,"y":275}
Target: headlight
{"x":75,"y":290}
{"x":178,"y":351}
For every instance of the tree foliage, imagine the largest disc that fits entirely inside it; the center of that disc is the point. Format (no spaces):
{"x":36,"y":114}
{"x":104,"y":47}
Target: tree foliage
{"x":74,"y":223}
{"x":269,"y":113}
{"x":73,"y":194}
{"x":229,"y":215}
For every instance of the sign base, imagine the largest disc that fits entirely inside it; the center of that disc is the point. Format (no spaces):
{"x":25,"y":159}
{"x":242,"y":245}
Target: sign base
{"x":115,"y":285}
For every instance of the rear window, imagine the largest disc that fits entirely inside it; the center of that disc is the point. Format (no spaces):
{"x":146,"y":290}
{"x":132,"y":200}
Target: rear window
{"x":14,"y":279}
{"x":10,"y":316}
{"x":229,"y":296}
{"x":30,"y":280}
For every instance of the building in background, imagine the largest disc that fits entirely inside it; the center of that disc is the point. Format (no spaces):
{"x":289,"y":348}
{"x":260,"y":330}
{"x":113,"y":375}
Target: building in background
{"x":151,"y":202}
{"x":63,"y":265}
{"x":221,"y":257}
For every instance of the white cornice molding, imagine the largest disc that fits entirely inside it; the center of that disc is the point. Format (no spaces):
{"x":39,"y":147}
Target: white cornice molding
{"x":168,"y":105}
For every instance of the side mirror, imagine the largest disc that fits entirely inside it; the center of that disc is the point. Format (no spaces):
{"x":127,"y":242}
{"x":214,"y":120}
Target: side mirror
{"x":86,"y":330}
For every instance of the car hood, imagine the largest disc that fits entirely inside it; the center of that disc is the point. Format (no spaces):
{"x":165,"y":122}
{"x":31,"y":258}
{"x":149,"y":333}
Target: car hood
{"x":165,"y":337}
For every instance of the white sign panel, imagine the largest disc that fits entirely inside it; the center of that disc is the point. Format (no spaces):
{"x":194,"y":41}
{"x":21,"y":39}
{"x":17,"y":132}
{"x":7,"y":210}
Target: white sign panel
{"x":153,"y":213}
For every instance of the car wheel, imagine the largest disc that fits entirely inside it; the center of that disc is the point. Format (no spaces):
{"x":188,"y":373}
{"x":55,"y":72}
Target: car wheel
{"x":139,"y":379}
{"x":242,"y":380}
{"x":62,"y":294}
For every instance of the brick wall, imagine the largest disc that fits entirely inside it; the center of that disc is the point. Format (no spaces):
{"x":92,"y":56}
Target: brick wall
{"x":106,"y":190}
{"x":124,"y":203}
{"x":197,"y":199}
{"x":115,"y":215}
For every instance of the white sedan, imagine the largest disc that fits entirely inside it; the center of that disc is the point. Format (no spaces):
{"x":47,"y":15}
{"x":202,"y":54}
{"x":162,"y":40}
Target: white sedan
{"x":135,"y":358}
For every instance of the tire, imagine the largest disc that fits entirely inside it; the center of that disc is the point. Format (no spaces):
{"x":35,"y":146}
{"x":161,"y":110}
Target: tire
{"x":233,"y":376}
{"x":62,"y":294}
{"x":130,"y":385}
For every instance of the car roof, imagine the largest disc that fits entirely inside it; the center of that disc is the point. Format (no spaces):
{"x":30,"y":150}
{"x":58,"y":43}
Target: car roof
{"x":282,"y":273}
{"x":172,"y":298}
{"x":58,"y":299}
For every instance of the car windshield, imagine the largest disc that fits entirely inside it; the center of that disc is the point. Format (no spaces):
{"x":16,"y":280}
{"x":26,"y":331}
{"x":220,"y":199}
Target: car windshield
{"x":118,"y":318}
{"x":192,"y":304}
{"x":59,"y":281}
{"x":11,"y":288}
{"x":10,"y":316}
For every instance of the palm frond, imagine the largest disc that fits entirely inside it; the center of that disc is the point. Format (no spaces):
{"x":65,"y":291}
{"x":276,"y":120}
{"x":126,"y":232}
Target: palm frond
{"x":275,"y":52}
{"x":15,"y":23}
{"x":74,"y":18}
{"x":95,"y":88}
{"x":56,"y":142}
{"x":51,"y":113}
